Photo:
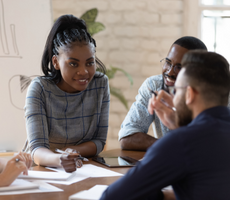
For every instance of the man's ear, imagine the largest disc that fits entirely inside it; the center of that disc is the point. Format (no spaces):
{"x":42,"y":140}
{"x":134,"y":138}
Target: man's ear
{"x":189,"y":95}
{"x":55,"y":62}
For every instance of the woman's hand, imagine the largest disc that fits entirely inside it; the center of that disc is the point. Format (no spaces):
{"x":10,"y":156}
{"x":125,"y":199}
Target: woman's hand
{"x":18,"y":164}
{"x":69,"y":160}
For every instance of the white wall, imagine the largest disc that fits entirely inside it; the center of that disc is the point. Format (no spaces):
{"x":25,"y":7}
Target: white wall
{"x":24,"y":26}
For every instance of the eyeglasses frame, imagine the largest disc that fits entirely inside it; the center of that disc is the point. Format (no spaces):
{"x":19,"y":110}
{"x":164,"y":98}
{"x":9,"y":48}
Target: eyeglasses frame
{"x":172,"y":88}
{"x":163,"y":62}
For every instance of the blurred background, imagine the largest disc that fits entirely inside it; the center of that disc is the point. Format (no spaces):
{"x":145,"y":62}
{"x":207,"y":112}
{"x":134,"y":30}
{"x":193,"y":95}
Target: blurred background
{"x":138,"y":34}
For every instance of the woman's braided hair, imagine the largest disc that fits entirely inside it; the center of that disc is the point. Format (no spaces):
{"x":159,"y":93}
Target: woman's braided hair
{"x":65,"y":31}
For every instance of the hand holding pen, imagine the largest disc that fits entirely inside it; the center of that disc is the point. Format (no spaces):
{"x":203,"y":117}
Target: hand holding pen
{"x":162,"y":103}
{"x":70,"y":159}
{"x":162,"y":100}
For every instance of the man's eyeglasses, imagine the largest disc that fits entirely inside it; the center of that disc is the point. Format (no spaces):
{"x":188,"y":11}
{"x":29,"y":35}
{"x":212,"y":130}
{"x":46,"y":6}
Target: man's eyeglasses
{"x":172,"y":89}
{"x":166,"y":64}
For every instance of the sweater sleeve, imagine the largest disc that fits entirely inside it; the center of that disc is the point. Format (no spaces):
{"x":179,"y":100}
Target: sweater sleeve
{"x":36,"y":119}
{"x":100,"y":134}
{"x":138,"y":118}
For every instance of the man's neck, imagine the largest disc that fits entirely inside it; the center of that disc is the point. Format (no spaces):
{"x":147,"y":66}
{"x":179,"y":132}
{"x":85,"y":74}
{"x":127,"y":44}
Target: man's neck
{"x":200,"y":107}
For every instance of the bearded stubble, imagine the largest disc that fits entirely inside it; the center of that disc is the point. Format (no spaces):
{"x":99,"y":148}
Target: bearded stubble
{"x":184,"y":115}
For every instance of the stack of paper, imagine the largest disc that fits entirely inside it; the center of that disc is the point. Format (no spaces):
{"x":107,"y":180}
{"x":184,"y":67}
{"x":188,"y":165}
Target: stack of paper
{"x":93,"y":193}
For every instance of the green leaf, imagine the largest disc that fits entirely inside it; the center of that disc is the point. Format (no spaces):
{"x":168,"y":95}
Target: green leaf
{"x":115,"y":69}
{"x":95,"y":27}
{"x":110,"y":73}
{"x":90,"y":15}
{"x":117,"y":93}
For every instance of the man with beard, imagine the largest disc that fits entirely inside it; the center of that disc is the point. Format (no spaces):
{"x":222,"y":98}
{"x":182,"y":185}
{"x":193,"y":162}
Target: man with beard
{"x":133,"y":134}
{"x":194,"y":158}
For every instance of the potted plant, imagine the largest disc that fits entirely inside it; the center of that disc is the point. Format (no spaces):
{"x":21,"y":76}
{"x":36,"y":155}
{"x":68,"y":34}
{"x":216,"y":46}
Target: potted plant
{"x":94,"y":27}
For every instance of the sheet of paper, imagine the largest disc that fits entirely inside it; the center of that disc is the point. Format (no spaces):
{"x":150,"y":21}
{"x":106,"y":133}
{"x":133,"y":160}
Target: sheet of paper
{"x":19,"y":184}
{"x":90,"y":170}
{"x":93,"y":193}
{"x":71,"y":180}
{"x":86,"y":171}
{"x":46,"y":175}
{"x":43,"y":187}
{"x":95,"y":171}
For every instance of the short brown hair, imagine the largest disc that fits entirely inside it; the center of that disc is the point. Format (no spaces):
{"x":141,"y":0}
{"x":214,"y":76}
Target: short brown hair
{"x":209,"y":73}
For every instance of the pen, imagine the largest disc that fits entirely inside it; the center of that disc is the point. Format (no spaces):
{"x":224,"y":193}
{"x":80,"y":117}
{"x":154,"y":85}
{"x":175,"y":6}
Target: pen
{"x":173,"y":108}
{"x":80,"y":157}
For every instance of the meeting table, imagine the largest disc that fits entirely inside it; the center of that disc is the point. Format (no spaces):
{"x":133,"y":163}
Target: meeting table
{"x":86,"y":184}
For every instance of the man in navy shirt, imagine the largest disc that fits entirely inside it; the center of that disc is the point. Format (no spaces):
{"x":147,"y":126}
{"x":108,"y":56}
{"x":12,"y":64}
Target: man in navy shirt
{"x":194,"y":158}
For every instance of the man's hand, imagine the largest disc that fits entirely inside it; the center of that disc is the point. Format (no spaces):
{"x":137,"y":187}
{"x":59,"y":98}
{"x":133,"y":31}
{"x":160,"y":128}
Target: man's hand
{"x":162,"y":105}
{"x":169,"y":194}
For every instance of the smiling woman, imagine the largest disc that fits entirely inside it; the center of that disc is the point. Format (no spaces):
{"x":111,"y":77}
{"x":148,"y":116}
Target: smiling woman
{"x":77,"y":67}
{"x":68,"y":107}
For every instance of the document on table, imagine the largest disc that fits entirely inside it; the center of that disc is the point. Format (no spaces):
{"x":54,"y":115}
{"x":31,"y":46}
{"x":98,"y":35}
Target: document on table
{"x":42,"y":187}
{"x":19,"y":185}
{"x":46,"y":175}
{"x":93,"y":193}
{"x":86,"y":171}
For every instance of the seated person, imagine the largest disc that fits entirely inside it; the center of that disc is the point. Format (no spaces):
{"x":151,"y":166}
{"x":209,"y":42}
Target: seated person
{"x":133,"y":133}
{"x":9,"y":170}
{"x":194,"y":158}
{"x":68,"y":107}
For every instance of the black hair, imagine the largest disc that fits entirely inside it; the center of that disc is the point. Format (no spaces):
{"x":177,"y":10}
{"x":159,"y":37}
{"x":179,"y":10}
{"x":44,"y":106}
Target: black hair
{"x":208,"y":72}
{"x":66,"y":30}
{"x":190,"y":43}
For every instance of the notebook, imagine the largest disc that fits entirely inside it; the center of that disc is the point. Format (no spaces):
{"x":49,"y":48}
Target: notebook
{"x":19,"y":184}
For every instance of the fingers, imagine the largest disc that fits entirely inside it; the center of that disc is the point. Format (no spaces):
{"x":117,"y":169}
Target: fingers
{"x":24,"y":169}
{"x":69,"y":160}
{"x":29,"y":161}
{"x":166,"y":97}
{"x":151,"y":107}
{"x":163,"y":102}
{"x":70,"y":156}
{"x":17,"y":165}
{"x":69,"y":150}
{"x":159,"y":103}
{"x":162,"y":105}
{"x":20,"y":156}
{"x":26,"y":158}
{"x":68,"y":165}
{"x":79,"y":163}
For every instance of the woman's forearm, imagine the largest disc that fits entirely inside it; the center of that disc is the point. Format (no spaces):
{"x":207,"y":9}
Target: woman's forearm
{"x":46,"y":157}
{"x":86,"y":149}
